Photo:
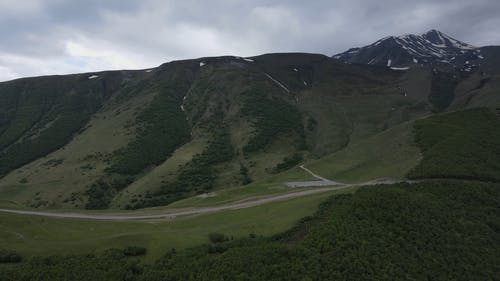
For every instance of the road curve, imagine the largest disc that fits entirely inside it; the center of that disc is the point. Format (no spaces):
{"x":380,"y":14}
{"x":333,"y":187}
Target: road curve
{"x":171,"y":215}
{"x":331,"y":185}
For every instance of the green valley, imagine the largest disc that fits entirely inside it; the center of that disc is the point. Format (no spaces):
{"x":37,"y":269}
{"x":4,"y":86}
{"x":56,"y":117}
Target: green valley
{"x":283,"y":166}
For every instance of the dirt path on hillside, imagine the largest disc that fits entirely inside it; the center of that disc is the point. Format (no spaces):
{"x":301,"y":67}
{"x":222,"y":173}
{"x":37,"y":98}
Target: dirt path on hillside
{"x":321,"y":181}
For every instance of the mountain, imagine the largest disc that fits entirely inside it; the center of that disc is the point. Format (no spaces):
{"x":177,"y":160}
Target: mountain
{"x":134,"y":139}
{"x":131,"y":139}
{"x":432,"y":47}
{"x":416,"y":146}
{"x":451,"y":73}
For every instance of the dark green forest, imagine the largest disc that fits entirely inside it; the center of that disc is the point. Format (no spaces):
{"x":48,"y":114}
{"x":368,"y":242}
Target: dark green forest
{"x":162,"y":127}
{"x":195,"y":177}
{"x":271,"y":117}
{"x":443,"y":86}
{"x":434,"y":230}
{"x":288,"y":162}
{"x":46,"y":115}
{"x":463,"y":145}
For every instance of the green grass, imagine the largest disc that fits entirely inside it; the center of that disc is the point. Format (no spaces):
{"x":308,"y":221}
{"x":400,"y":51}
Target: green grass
{"x":105,"y":133}
{"x":30,"y":235}
{"x":439,"y":230}
{"x":347,"y":102}
{"x":155,"y":178}
{"x":389,"y":154}
{"x":351,"y":103}
{"x":6,"y":204}
{"x":41,"y":114}
{"x":477,"y":91}
{"x":442,"y":230}
{"x":273,"y":117}
{"x":161,"y":128}
{"x":269,"y":186}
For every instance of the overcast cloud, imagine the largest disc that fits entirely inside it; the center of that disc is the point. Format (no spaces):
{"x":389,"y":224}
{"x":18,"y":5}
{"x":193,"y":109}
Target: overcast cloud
{"x":41,"y":37}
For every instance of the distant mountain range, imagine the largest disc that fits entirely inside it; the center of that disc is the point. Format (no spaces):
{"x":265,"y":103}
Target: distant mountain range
{"x":401,"y":52}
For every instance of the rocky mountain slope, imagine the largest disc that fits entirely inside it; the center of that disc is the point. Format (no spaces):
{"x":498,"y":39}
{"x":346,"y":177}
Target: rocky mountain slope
{"x":451,"y":73}
{"x":432,"y":47}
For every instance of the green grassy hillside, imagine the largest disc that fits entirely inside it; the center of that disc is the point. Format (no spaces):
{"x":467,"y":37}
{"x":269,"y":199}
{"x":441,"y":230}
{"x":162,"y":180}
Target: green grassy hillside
{"x":59,"y":179}
{"x":38,"y":236}
{"x":389,"y":154}
{"x":462,"y":144}
{"x":40,"y":115}
{"x":214,"y":131}
{"x":138,"y":136}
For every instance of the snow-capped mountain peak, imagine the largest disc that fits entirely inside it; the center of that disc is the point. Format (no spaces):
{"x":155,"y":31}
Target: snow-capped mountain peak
{"x":441,"y":40}
{"x":409,"y":49}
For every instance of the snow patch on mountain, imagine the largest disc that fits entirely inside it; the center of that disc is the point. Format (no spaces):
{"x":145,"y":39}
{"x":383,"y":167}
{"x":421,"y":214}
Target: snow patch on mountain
{"x":401,"y":51}
{"x":278,"y":83}
{"x":400,"y":68}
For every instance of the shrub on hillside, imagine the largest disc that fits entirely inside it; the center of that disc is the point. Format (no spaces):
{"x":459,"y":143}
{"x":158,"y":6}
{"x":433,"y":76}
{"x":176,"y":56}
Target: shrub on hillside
{"x":217,"y":238}
{"x":288,"y":162}
{"x":7,"y":256}
{"x":134,"y":251}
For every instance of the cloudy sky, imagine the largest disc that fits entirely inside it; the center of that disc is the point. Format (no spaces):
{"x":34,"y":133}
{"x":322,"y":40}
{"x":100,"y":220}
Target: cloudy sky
{"x":41,"y":37}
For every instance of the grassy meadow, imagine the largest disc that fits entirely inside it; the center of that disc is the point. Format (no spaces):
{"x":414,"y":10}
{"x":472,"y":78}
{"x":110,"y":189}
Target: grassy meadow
{"x":31,"y":235}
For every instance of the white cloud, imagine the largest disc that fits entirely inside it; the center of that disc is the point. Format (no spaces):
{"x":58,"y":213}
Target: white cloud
{"x":16,"y":7}
{"x":56,"y":37}
{"x":93,"y":55}
{"x":7,"y":74}
{"x":15,"y":66}
{"x":275,"y":19}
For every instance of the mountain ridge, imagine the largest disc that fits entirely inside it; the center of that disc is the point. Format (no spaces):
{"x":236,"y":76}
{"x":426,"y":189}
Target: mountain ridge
{"x":231,"y":120}
{"x":407,"y":50}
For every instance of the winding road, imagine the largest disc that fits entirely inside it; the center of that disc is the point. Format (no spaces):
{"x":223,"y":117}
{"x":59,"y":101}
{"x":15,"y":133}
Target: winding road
{"x":331,"y":185}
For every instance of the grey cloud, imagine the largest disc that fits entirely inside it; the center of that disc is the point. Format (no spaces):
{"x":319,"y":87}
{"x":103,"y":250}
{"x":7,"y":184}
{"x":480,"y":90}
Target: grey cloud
{"x":56,"y":36}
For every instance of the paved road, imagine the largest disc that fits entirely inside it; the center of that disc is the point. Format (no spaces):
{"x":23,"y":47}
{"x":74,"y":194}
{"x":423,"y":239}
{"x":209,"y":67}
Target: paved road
{"x":331,"y":185}
{"x":173,"y":214}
